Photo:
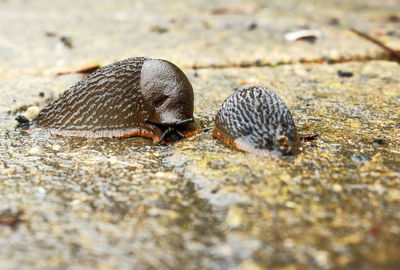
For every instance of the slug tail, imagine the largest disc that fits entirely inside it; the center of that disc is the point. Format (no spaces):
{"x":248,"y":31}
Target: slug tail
{"x":118,"y":133}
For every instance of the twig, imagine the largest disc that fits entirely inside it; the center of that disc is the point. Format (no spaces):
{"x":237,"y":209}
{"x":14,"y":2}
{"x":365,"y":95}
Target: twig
{"x":84,"y":70}
{"x":394,"y":53}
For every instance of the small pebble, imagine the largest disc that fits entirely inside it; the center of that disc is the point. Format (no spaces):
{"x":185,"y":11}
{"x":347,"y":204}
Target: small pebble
{"x":393,"y":18}
{"x":333,"y":21}
{"x":337,"y":188}
{"x":50,"y":34}
{"x":10,"y":217}
{"x":321,"y":257}
{"x":343,"y":73}
{"x":290,"y":204}
{"x":391,"y":33}
{"x":67,"y":41}
{"x":252,"y":26}
{"x":32,"y":112}
{"x":379,"y":141}
{"x":56,"y":147}
{"x":8,"y":171}
{"x":288,"y":242}
{"x":250,"y":265}
{"x":34,"y":150}
{"x":234,"y":217}
{"x":305,"y":35}
{"x":159,"y":29}
{"x":40,"y":191}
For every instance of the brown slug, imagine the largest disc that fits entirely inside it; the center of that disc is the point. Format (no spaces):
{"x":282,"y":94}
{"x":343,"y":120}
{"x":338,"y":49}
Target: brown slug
{"x":134,"y":97}
{"x":257,"y":121}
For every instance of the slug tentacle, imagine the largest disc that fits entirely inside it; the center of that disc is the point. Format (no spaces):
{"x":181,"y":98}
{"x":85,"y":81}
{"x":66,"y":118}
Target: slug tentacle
{"x":256,"y":120}
{"x":169,"y":129}
{"x":115,"y":100}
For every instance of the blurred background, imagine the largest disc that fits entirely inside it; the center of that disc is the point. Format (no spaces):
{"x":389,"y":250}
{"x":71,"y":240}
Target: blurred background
{"x":190,"y":33}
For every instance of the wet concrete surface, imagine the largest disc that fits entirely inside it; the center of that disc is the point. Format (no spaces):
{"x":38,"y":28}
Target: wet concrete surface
{"x":70,"y":203}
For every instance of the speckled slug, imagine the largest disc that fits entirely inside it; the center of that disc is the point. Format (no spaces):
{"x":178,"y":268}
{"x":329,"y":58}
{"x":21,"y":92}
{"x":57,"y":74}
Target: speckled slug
{"x":257,"y":121}
{"x":134,"y":97}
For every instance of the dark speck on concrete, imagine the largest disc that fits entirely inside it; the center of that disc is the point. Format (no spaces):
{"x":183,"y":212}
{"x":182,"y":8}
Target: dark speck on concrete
{"x":343,"y":73}
{"x":67,"y":41}
{"x":253,"y":26}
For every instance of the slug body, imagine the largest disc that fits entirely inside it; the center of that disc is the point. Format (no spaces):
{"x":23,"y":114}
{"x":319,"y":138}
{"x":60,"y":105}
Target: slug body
{"x":133,"y":97}
{"x":256,"y":120}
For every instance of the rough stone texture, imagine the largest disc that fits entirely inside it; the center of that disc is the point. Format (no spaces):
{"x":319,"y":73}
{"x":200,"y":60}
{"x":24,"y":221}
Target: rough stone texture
{"x":69,"y":203}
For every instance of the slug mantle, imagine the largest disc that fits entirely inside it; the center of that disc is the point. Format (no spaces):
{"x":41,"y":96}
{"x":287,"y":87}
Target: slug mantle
{"x":134,"y":97}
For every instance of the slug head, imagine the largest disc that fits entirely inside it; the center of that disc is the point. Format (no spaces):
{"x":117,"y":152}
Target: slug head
{"x":167,"y":90}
